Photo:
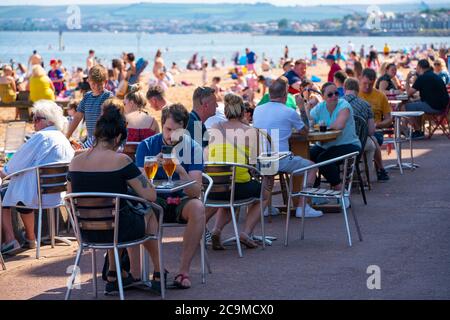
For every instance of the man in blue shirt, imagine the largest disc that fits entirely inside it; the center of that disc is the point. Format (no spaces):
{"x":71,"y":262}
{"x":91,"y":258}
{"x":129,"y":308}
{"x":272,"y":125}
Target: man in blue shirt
{"x":183,"y":206}
{"x":296,"y":76}
{"x":204,"y":104}
{"x":251,"y":60}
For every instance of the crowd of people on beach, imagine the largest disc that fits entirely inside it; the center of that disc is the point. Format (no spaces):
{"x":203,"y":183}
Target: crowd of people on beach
{"x":112,"y":102}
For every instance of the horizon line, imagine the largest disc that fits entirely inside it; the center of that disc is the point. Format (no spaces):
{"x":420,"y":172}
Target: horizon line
{"x":221,"y":2}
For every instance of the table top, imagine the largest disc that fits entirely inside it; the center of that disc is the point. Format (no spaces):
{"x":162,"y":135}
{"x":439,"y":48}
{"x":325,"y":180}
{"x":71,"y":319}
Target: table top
{"x":274,"y":156}
{"x":317,"y":136}
{"x":400,"y":97}
{"x":177,"y":185}
{"x":407,"y":113}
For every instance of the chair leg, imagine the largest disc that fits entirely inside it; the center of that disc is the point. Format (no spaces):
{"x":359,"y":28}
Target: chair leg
{"x":208,"y":265}
{"x":288,"y":217}
{"x":119,"y":273}
{"x":51,"y":219}
{"x":2,"y":261}
{"x":344,"y":210}
{"x":361,"y":184}
{"x":38,"y":246}
{"x":202,"y":257}
{"x":366,"y":169}
{"x":94,"y":272}
{"x":352,"y":211}
{"x":161,"y":264}
{"x":73,"y":275}
{"x":302,"y":236}
{"x":263,"y":229}
{"x":236,"y":233}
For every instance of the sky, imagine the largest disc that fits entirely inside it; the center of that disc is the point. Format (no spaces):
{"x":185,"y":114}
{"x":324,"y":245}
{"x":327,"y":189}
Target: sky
{"x":275,"y":2}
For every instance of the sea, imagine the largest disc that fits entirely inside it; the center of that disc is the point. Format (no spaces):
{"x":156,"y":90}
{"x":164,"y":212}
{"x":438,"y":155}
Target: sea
{"x":72,"y":47}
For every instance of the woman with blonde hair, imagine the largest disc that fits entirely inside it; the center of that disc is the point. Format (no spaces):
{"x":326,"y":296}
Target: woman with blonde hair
{"x":40,"y":85}
{"x":141,"y":125}
{"x":223,"y":148}
{"x":7,"y":85}
{"x":441,"y":70}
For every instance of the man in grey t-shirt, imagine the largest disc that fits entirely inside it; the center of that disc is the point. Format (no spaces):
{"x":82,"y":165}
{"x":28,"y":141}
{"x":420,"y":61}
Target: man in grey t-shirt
{"x":278,"y":121}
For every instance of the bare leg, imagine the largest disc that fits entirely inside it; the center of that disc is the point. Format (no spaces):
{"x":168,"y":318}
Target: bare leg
{"x":253,"y":216}
{"x":151,"y":246}
{"x":223,"y":218}
{"x":112,"y":264}
{"x":194,"y":214}
{"x":28,"y":222}
{"x":209,"y":213}
{"x":135,"y":261}
{"x":7,"y":227}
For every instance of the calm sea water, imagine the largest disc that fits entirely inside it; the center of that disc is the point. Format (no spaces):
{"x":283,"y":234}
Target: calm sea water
{"x":179,"y":48}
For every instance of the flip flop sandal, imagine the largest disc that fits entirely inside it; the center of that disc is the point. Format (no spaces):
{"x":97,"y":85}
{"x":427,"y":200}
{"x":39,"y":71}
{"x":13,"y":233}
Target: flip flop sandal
{"x":250,"y":244}
{"x":179,"y":284}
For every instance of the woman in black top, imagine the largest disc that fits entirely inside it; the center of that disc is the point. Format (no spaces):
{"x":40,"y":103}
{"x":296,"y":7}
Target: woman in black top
{"x":102,"y":169}
{"x":387,"y":81}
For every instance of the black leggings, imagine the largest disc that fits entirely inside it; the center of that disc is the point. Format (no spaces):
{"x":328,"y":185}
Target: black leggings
{"x":331,"y":171}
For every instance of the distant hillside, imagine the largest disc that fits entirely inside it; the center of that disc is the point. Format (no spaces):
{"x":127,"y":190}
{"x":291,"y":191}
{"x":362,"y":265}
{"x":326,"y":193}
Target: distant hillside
{"x":194,"y":12}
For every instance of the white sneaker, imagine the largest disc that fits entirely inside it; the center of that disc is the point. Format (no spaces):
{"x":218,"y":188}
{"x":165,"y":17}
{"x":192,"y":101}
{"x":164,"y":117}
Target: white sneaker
{"x":273,"y":212}
{"x":309,"y":212}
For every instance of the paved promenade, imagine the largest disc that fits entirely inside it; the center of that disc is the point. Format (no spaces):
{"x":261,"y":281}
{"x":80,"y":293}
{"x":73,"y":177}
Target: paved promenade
{"x":406,"y":230}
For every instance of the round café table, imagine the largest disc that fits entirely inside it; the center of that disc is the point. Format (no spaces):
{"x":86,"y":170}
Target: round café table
{"x":398,"y":140}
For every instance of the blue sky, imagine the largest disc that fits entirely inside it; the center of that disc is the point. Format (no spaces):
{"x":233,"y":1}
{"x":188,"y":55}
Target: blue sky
{"x":276,"y":2}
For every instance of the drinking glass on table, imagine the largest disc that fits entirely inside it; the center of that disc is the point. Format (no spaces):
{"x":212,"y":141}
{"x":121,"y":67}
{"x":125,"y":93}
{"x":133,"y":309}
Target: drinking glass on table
{"x":322,"y":126}
{"x":169,"y":167}
{"x":150,"y":167}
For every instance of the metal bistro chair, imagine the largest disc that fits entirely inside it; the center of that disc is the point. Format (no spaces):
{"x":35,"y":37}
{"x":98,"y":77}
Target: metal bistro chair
{"x":223,"y":174}
{"x":93,"y":211}
{"x":264,"y":145}
{"x":14,"y":137}
{"x":349,"y":168}
{"x":51,"y":178}
{"x":362,"y":133}
{"x":439,"y":121}
{"x":207,"y":185}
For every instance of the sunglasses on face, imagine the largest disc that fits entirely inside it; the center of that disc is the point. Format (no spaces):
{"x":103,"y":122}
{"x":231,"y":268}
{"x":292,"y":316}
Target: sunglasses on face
{"x":37,"y":118}
{"x":331,"y":94}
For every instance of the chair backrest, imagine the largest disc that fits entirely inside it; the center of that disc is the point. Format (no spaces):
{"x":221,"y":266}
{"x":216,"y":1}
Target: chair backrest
{"x":14,"y":136}
{"x":130,"y":149}
{"x":362,"y":130}
{"x":349,"y":169}
{"x":53,"y":178}
{"x":222,"y":176}
{"x":207,"y":184}
{"x":92,"y":211}
{"x":264,"y":141}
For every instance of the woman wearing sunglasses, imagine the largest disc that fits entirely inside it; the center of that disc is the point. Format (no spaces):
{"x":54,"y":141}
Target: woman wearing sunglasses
{"x":337,"y":114}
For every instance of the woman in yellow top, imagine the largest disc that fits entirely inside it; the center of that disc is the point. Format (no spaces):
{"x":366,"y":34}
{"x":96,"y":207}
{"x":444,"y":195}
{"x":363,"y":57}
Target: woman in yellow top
{"x":7,"y":85}
{"x":223,"y":148}
{"x":40,"y":85}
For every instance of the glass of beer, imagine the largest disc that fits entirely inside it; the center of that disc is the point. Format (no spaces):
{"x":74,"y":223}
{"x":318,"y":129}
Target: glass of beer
{"x":169,"y":167}
{"x":150,"y":167}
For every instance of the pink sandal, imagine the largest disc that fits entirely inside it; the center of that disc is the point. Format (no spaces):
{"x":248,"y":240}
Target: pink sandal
{"x":178,"y":283}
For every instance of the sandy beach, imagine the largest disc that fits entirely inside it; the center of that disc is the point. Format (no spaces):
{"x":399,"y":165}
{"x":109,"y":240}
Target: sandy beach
{"x":183,"y":94}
